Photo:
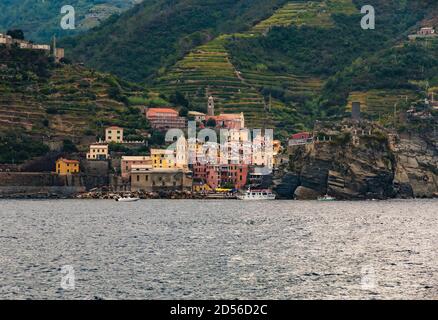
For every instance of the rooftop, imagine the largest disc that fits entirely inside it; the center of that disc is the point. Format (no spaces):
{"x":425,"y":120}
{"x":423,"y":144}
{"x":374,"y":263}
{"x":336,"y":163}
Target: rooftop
{"x":135,"y":158}
{"x":152,"y":111}
{"x":161,"y":151}
{"x":67,"y":160}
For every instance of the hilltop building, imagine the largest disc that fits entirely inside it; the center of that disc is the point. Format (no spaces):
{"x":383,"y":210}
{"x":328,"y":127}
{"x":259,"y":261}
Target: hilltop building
{"x":114,"y":134}
{"x":425,"y":32}
{"x":66,"y":167}
{"x":301,"y":138}
{"x":355,"y":111}
{"x":57,"y":53}
{"x":98,"y":151}
{"x":5,"y":39}
{"x":165,"y":118}
{"x":224,"y":120}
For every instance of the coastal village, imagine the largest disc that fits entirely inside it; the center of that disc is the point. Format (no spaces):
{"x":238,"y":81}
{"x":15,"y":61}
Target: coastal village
{"x":193,"y":167}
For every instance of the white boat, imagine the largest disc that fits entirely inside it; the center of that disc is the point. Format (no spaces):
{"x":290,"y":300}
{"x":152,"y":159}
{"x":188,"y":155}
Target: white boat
{"x":326,"y":198}
{"x":257,"y":195}
{"x":127,"y":199}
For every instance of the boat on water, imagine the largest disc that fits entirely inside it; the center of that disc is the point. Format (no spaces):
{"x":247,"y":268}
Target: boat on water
{"x":256,"y":195}
{"x":127,"y":199}
{"x":326,"y":197}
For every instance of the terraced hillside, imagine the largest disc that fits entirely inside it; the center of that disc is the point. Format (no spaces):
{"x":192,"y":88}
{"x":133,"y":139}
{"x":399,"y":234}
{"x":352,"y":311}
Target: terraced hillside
{"x":309,"y":13}
{"x":209,"y":68}
{"x":66,"y":101}
{"x":381,"y":103}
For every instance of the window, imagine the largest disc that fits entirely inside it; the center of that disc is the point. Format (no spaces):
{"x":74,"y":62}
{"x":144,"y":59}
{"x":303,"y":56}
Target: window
{"x":138,"y":178}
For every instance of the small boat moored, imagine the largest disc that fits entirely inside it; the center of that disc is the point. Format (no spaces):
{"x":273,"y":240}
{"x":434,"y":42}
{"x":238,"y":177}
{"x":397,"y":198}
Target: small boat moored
{"x":257,"y":195}
{"x":326,"y":198}
{"x":127,"y":199}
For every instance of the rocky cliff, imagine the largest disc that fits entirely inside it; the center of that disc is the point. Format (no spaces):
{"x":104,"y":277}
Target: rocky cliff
{"x":360,"y":162}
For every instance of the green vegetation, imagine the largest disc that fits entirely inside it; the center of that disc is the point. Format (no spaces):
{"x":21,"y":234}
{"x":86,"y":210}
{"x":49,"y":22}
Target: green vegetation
{"x":63,"y":101}
{"x":155,"y":34}
{"x":283,"y":63}
{"x":15,"y":147}
{"x":40,"y":20}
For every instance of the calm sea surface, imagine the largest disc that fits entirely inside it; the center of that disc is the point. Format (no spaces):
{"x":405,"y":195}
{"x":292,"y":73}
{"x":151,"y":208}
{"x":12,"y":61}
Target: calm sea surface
{"x":183,"y":249}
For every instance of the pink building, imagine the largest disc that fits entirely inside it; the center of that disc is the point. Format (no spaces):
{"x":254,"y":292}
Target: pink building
{"x":426,"y":31}
{"x":165,"y":118}
{"x":229,"y":121}
{"x":219,"y":175}
{"x":300,"y":138}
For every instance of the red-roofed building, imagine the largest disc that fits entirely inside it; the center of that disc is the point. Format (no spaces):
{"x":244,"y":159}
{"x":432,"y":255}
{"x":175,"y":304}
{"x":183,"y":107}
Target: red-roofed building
{"x":300,"y":138}
{"x":66,"y":166}
{"x":229,"y":121}
{"x":165,"y":118}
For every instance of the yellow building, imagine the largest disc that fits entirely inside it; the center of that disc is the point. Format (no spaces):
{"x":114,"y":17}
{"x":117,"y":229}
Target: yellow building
{"x":114,"y":134}
{"x":163,"y":158}
{"x":200,"y":186}
{"x":65,"y":166}
{"x":98,"y":152}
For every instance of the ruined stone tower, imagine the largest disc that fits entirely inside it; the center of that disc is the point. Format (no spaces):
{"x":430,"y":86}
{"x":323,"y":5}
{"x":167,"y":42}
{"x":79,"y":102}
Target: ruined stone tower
{"x":210,"y":107}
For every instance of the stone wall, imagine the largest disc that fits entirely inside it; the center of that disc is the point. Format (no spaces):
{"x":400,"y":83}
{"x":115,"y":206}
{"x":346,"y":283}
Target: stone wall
{"x":31,"y":184}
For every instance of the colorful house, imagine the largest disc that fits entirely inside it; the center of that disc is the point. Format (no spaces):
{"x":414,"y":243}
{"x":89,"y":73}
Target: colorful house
{"x":300,"y":138}
{"x":165,"y":118}
{"x":114,"y":134}
{"x":163,"y":158}
{"x":66,"y":167}
{"x":128,"y":162}
{"x":219,"y":175}
{"x":98,"y":152}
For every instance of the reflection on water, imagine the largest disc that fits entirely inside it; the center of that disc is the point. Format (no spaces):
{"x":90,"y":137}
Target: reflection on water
{"x":171,"y":249}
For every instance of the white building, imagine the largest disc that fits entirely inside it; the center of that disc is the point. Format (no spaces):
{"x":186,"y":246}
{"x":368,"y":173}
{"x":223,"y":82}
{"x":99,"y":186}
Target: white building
{"x":98,"y":152}
{"x":114,"y":134}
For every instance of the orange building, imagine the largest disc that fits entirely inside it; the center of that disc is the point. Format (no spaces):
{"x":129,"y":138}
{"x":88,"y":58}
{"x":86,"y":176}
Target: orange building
{"x":165,"y":118}
{"x":65,"y":166}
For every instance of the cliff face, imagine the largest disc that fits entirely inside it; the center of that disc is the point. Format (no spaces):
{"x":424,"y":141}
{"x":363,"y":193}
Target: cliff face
{"x":361,"y":163}
{"x":416,"y":173}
